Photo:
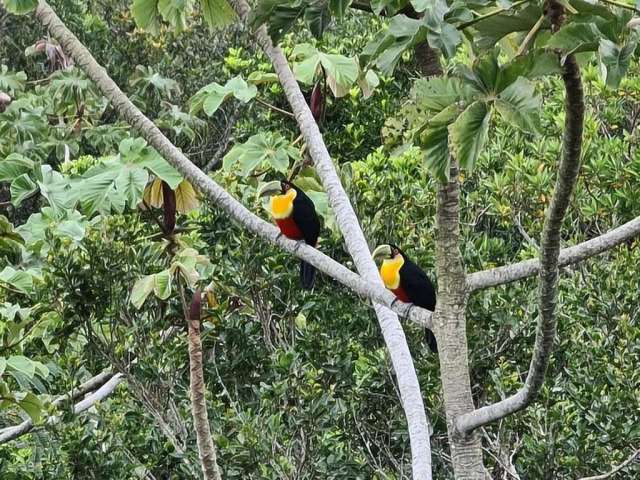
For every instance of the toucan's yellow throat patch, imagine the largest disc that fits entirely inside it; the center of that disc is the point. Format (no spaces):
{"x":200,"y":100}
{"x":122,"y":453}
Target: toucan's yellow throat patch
{"x":390,"y":271}
{"x":282,"y":205}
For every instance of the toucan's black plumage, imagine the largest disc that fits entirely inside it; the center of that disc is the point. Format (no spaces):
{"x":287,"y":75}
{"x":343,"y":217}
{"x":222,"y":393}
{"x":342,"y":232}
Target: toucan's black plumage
{"x":306,"y":218}
{"x":416,"y":287}
{"x":295,"y":215}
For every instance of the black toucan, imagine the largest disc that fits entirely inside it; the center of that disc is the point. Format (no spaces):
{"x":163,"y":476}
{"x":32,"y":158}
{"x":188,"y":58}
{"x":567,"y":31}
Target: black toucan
{"x":407,"y":281}
{"x":295,"y":215}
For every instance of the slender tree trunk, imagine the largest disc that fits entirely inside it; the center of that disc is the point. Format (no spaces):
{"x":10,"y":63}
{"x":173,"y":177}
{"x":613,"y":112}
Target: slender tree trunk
{"x":206,"y":448}
{"x":450,"y":327}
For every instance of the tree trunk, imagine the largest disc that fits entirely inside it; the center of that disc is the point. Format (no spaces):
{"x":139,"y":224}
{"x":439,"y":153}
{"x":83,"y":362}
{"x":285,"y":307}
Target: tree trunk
{"x":450,"y":328}
{"x":206,"y":448}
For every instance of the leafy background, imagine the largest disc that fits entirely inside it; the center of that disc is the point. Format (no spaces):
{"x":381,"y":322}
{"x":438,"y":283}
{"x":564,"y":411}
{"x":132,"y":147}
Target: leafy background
{"x":300,"y":385}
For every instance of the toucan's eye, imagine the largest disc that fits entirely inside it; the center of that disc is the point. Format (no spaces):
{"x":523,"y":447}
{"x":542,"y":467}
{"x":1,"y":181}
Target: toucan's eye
{"x":394,"y":252}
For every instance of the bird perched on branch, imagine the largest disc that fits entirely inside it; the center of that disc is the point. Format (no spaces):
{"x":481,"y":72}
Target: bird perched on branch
{"x":407,"y":281}
{"x":295,"y":215}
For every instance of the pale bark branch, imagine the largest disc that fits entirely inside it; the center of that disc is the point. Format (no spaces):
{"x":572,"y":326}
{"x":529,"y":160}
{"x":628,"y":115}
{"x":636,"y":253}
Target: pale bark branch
{"x":392,"y":332}
{"x":568,"y":171}
{"x":210,"y":189}
{"x":100,"y":380}
{"x":616,"y":469}
{"x":568,"y":256}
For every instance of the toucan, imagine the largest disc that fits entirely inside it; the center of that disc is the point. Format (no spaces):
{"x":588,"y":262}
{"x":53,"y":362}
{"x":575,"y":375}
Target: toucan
{"x":295,"y":215}
{"x":407,"y":281}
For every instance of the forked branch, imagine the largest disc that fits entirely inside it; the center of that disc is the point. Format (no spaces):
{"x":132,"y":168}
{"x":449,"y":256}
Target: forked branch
{"x":549,"y":248}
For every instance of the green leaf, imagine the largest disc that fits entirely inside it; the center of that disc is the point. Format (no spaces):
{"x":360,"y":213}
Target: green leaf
{"x":318,"y":18}
{"x":3,"y":365}
{"x":21,"y":364}
{"x":31,"y":404}
{"x":13,"y":166}
{"x":278,"y":17}
{"x":263,"y":147}
{"x":146,"y":15}
{"x":20,"y":7}
{"x":141,"y":290}
{"x":575,"y":37}
{"x":437,"y":93}
{"x":18,"y":279}
{"x":218,"y":13}
{"x":615,"y":61}
{"x":494,"y":28}
{"x":21,"y":188}
{"x":435,"y":146}
{"x":130,"y":183}
{"x":519,"y":105}
{"x":469,"y":133}
{"x":342,"y":72}
{"x":339,"y":7}
{"x":162,"y":284}
{"x":175,"y":12}
{"x":11,"y":81}
{"x":258,"y":78}
{"x":55,"y":188}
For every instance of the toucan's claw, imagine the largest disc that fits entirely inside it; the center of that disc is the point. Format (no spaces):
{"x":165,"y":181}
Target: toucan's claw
{"x":394,"y":302}
{"x":298,"y":243}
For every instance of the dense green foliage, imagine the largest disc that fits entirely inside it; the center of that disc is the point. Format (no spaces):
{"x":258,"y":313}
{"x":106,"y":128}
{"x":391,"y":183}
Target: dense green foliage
{"x":299,"y":384}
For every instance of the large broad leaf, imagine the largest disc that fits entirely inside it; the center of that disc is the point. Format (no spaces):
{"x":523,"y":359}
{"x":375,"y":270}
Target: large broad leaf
{"x":186,"y":197}
{"x":162,"y":284}
{"x":279,"y":16}
{"x":13,"y":166}
{"x":130,"y":183}
{"x":537,"y":63}
{"x":218,"y":13}
{"x":520,"y":105}
{"x":436,"y":152}
{"x":210,"y":97}
{"x":342,"y":72}
{"x":146,"y":15}
{"x":176,"y":12}
{"x":20,"y":7}
{"x":318,"y":18}
{"x":615,"y":61}
{"x":387,"y":47}
{"x":492,"y":29}
{"x":576,"y":37}
{"x":271,"y":148}
{"x":97,"y":191}
{"x":31,"y":404}
{"x":436,"y":94}
{"x":11,"y":81}
{"x":469,"y":133}
{"x":22,"y":187}
{"x":21,"y":364}
{"x":55,"y":188}
{"x":141,"y":290}
{"x":136,"y":152}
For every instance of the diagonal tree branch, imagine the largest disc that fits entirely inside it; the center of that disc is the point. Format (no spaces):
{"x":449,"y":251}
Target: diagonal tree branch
{"x":394,"y":337}
{"x":616,"y":469}
{"x":210,"y":189}
{"x":568,"y":171}
{"x":568,"y":256}
{"x":91,"y":385}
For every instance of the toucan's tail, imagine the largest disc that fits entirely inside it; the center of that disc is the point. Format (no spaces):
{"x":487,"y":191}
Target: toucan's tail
{"x":431,"y":340}
{"x":307,"y":275}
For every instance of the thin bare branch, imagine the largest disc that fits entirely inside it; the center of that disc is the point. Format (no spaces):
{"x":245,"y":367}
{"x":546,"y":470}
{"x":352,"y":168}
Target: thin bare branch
{"x":616,"y":469}
{"x":568,"y":256}
{"x":11,"y":433}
